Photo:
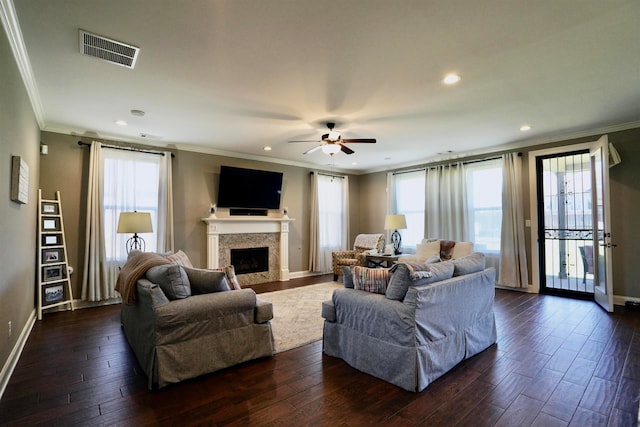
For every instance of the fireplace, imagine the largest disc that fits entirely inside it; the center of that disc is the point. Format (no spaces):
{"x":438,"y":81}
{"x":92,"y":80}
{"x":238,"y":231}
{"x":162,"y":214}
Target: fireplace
{"x":250,"y":260}
{"x":226,"y":233}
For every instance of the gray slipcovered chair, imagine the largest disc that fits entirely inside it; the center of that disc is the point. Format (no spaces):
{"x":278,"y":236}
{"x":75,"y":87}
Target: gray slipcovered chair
{"x":180,"y":333}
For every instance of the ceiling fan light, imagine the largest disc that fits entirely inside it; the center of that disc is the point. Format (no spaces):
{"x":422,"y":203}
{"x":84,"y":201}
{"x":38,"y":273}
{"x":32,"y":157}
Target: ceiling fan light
{"x":334,"y":136}
{"x":330,"y":149}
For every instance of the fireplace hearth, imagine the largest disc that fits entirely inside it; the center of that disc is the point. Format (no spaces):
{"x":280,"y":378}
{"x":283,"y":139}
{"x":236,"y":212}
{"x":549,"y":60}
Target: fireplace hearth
{"x":250,"y":260}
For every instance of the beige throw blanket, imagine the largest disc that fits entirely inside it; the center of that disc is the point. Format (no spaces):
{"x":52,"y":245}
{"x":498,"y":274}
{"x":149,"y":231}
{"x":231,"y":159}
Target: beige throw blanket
{"x":134,"y":269}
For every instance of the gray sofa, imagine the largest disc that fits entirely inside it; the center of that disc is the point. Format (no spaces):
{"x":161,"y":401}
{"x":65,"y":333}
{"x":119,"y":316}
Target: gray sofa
{"x":419,"y":329}
{"x":178,"y":339}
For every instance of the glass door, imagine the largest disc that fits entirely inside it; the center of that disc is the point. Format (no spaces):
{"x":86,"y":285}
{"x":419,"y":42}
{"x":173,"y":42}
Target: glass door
{"x":565,"y":232}
{"x":603,"y":277}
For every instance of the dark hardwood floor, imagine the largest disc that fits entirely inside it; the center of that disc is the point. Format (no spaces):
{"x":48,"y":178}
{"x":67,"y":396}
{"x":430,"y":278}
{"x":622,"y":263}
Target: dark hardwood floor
{"x":558,"y":362}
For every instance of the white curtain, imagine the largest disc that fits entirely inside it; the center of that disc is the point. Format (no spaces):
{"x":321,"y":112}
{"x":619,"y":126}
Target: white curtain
{"x":165,"y":205}
{"x":446,"y":203}
{"x":329,"y":219}
{"x":123,"y":181}
{"x":95,"y":286}
{"x":513,"y":260}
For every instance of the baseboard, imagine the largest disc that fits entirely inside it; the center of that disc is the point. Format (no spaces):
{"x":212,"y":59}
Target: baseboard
{"x":305,"y":273}
{"x":16,"y":352}
{"x":620,"y":300}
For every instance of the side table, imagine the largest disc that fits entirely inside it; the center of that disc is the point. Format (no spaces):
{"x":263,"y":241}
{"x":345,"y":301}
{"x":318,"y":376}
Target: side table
{"x":381,"y":260}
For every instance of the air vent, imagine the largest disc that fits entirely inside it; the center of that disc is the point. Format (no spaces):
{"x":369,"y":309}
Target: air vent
{"x":108,"y":50}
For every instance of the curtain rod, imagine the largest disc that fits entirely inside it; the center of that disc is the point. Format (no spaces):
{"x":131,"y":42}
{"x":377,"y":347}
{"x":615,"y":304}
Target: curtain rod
{"x":328,"y":174}
{"x":452,"y":164}
{"x":116,"y":147}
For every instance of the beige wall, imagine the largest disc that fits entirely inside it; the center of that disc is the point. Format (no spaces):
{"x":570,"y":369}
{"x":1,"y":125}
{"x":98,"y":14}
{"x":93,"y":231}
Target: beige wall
{"x":195,"y":184}
{"x":19,"y":136}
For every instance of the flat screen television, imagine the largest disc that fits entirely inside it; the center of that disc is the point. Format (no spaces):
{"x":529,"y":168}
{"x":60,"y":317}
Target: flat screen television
{"x":249,"y":188}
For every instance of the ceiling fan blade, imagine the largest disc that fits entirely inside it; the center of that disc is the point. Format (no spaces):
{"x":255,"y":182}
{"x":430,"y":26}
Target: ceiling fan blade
{"x":306,"y":140}
{"x":346,"y":150}
{"x":311,"y":150}
{"x":367,"y":140}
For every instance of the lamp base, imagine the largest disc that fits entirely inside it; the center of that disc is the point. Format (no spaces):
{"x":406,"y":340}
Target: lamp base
{"x":396,"y":238}
{"x":135,"y":243}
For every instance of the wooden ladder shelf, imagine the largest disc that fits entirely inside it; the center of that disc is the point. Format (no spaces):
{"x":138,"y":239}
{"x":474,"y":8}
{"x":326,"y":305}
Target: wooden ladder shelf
{"x":54,"y":283}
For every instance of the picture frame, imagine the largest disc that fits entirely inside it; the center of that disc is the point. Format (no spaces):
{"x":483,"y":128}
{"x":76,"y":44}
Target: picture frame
{"x":19,"y":180}
{"x":51,"y":255}
{"x":51,"y":224}
{"x":51,"y":240}
{"x":49,"y":208}
{"x":52,"y":294}
{"x":52,"y":273}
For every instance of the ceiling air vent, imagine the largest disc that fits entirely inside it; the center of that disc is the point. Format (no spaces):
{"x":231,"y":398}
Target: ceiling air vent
{"x":109,"y":50}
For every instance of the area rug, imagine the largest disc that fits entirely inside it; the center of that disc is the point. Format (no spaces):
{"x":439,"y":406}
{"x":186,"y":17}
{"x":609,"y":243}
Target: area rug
{"x":297,"y":318}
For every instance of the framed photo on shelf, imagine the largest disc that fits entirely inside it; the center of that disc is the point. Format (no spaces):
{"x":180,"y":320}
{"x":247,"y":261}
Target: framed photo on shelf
{"x":52,"y":273}
{"x":51,"y":224}
{"x":52,"y":255}
{"x":52,"y":294}
{"x":49,"y":208}
{"x":51,"y":240}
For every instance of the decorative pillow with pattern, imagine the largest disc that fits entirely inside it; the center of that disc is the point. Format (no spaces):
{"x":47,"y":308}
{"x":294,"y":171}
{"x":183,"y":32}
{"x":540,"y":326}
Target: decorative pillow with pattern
{"x":172,"y":279}
{"x":373,"y":280}
{"x":179,"y":258}
{"x":446,"y":249}
{"x":232,"y":279}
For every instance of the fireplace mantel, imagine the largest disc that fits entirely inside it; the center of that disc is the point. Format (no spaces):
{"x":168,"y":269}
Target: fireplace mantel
{"x":245,"y":225}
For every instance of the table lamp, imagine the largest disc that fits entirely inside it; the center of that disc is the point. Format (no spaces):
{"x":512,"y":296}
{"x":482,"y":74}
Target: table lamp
{"x":395,"y":223}
{"x":135,"y":222}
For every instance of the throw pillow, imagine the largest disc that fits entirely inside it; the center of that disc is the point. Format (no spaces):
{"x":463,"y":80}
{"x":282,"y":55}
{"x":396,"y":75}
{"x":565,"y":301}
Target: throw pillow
{"x":206,"y":281}
{"x":462,"y":249}
{"x":469,"y":264}
{"x":230,"y":273}
{"x":179,"y":258}
{"x":425,"y":251}
{"x":347,"y":276}
{"x":446,"y":249}
{"x":404,"y":275}
{"x":370,"y":279}
{"x":172,"y":279}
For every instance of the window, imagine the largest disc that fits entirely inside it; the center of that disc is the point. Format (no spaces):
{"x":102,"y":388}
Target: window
{"x":131,"y":183}
{"x":408,"y":198}
{"x":484,"y":204}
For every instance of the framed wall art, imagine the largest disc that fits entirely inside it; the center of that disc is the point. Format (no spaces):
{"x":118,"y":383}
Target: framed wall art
{"x":19,"y":180}
{"x":50,"y":224}
{"x":49,"y":208}
{"x":52,"y":273}
{"x":51,"y":240}
{"x":51,"y":255}
{"x":52,"y":294}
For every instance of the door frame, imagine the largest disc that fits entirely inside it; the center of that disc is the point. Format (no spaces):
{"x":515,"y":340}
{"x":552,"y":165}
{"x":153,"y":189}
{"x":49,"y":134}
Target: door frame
{"x":533,"y":203}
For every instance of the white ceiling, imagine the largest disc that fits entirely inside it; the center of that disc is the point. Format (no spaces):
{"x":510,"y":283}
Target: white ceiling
{"x":234,"y":76}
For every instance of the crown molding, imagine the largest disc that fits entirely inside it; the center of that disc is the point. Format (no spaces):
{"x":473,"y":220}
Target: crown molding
{"x":14,"y":35}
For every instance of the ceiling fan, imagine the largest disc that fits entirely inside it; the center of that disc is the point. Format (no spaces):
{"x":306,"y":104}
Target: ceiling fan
{"x":332,"y":142}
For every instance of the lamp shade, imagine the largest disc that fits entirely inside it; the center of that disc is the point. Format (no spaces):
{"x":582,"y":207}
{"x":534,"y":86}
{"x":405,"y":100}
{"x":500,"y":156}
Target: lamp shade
{"x":395,"y":222}
{"x":134,"y":222}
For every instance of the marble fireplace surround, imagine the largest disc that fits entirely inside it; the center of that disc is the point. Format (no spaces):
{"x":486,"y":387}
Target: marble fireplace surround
{"x":236,"y":232}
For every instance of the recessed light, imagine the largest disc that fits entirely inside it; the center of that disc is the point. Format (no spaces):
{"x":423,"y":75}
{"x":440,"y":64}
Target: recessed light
{"x":525,"y":128}
{"x":354,"y":163}
{"x":267,"y":148}
{"x":121,"y":123}
{"x":451,"y":78}
{"x":137,"y":113}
